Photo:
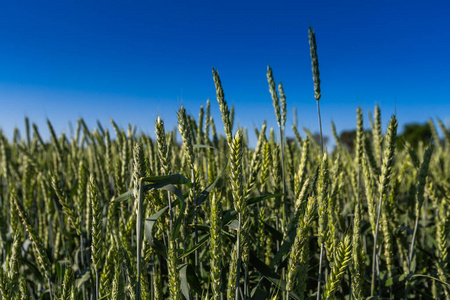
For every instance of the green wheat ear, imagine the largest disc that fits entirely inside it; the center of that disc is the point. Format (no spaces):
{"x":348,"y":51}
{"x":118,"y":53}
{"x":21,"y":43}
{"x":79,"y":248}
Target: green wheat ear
{"x":42,"y":258}
{"x":223,"y":106}
{"x":185,"y":129}
{"x":273,"y":93}
{"x":68,"y":284}
{"x":299,"y":245}
{"x":340,"y":264}
{"x":314,"y":63}
{"x":68,"y":207}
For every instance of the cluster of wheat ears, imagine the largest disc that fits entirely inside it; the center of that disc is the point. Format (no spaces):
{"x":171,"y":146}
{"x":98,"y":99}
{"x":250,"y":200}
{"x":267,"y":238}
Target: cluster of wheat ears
{"x":96,"y":217}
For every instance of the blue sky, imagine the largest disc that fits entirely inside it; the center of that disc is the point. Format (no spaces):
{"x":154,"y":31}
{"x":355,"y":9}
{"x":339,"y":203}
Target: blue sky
{"x":132,"y":61}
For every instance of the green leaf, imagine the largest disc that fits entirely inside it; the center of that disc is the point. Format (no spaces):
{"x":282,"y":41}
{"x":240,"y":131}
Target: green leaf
{"x":189,"y":281}
{"x":276,"y":234}
{"x":254,"y":200}
{"x":165,"y":182}
{"x":234,"y":224}
{"x":168,"y":187}
{"x":285,"y":247}
{"x":205,"y":193}
{"x":259,"y":294}
{"x":446,"y":285}
{"x":228,"y":216}
{"x":192,"y":250}
{"x":173,"y":179}
{"x":123,"y":197}
{"x":231,"y":214}
{"x":148,"y":226}
{"x":61,"y":267}
{"x":270,"y":275}
{"x":85,"y":276}
{"x":396,"y":279}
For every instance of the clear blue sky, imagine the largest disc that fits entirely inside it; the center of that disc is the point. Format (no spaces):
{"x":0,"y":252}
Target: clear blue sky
{"x":132,"y":61}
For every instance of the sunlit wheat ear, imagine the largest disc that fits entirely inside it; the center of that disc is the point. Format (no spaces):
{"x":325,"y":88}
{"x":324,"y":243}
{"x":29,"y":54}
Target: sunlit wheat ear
{"x":441,"y":235}
{"x":377,"y":134}
{"x":300,"y":243}
{"x":358,"y":255}
{"x":4,"y":157}
{"x":357,"y":268}
{"x":388,"y":157}
{"x":301,"y":198}
{"x":201,"y":115}
{"x":301,"y":175}
{"x":13,"y":263}
{"x":207,"y":119}
{"x":23,"y":289}
{"x":162,"y":146}
{"x":359,"y":136}
{"x":236,"y":151}
{"x":273,"y":93}
{"x":267,"y":157}
{"x":255,"y":162}
{"x":81,"y":188}
{"x":421,"y":181}
{"x":340,"y":263}
{"x":108,"y":273}
{"x":185,"y":130}
{"x":68,"y":283}
{"x":97,"y":246}
{"x":422,"y":177}
{"x":387,"y":239}
{"x":322,"y":192}
{"x":118,"y":291}
{"x":369,"y":154}
{"x":42,"y":258}
{"x":283,"y":103}
{"x":5,"y":290}
{"x":369,"y":193}
{"x":322,"y":201}
{"x":223,"y":106}
{"x":236,"y":171}
{"x":174,"y":282}
{"x":68,"y":207}
{"x":386,"y":169}
{"x":139,"y":167}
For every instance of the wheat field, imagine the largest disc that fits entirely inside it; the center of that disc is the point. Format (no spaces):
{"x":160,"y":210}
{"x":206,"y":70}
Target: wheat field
{"x":194,"y":214}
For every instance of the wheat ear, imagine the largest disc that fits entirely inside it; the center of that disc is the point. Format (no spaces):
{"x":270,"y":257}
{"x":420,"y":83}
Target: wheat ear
{"x":341,"y":261}
{"x":386,"y":169}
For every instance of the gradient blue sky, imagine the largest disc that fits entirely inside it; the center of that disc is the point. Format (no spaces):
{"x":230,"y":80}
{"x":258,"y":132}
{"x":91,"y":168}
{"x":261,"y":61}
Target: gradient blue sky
{"x":132,"y":61}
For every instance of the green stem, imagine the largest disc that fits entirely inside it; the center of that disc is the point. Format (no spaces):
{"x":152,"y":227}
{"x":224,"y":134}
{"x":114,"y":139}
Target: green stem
{"x":320,"y":272}
{"x":285,"y":212}
{"x":238,"y":265}
{"x":50,"y":288}
{"x":374,"y":254}
{"x":195,"y":223}
{"x":320,"y":126}
{"x":139,"y":239}
{"x":411,"y":249}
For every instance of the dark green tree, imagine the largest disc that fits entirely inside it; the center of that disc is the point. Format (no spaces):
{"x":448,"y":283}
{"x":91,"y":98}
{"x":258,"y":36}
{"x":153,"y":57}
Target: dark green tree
{"x":413,"y":133}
